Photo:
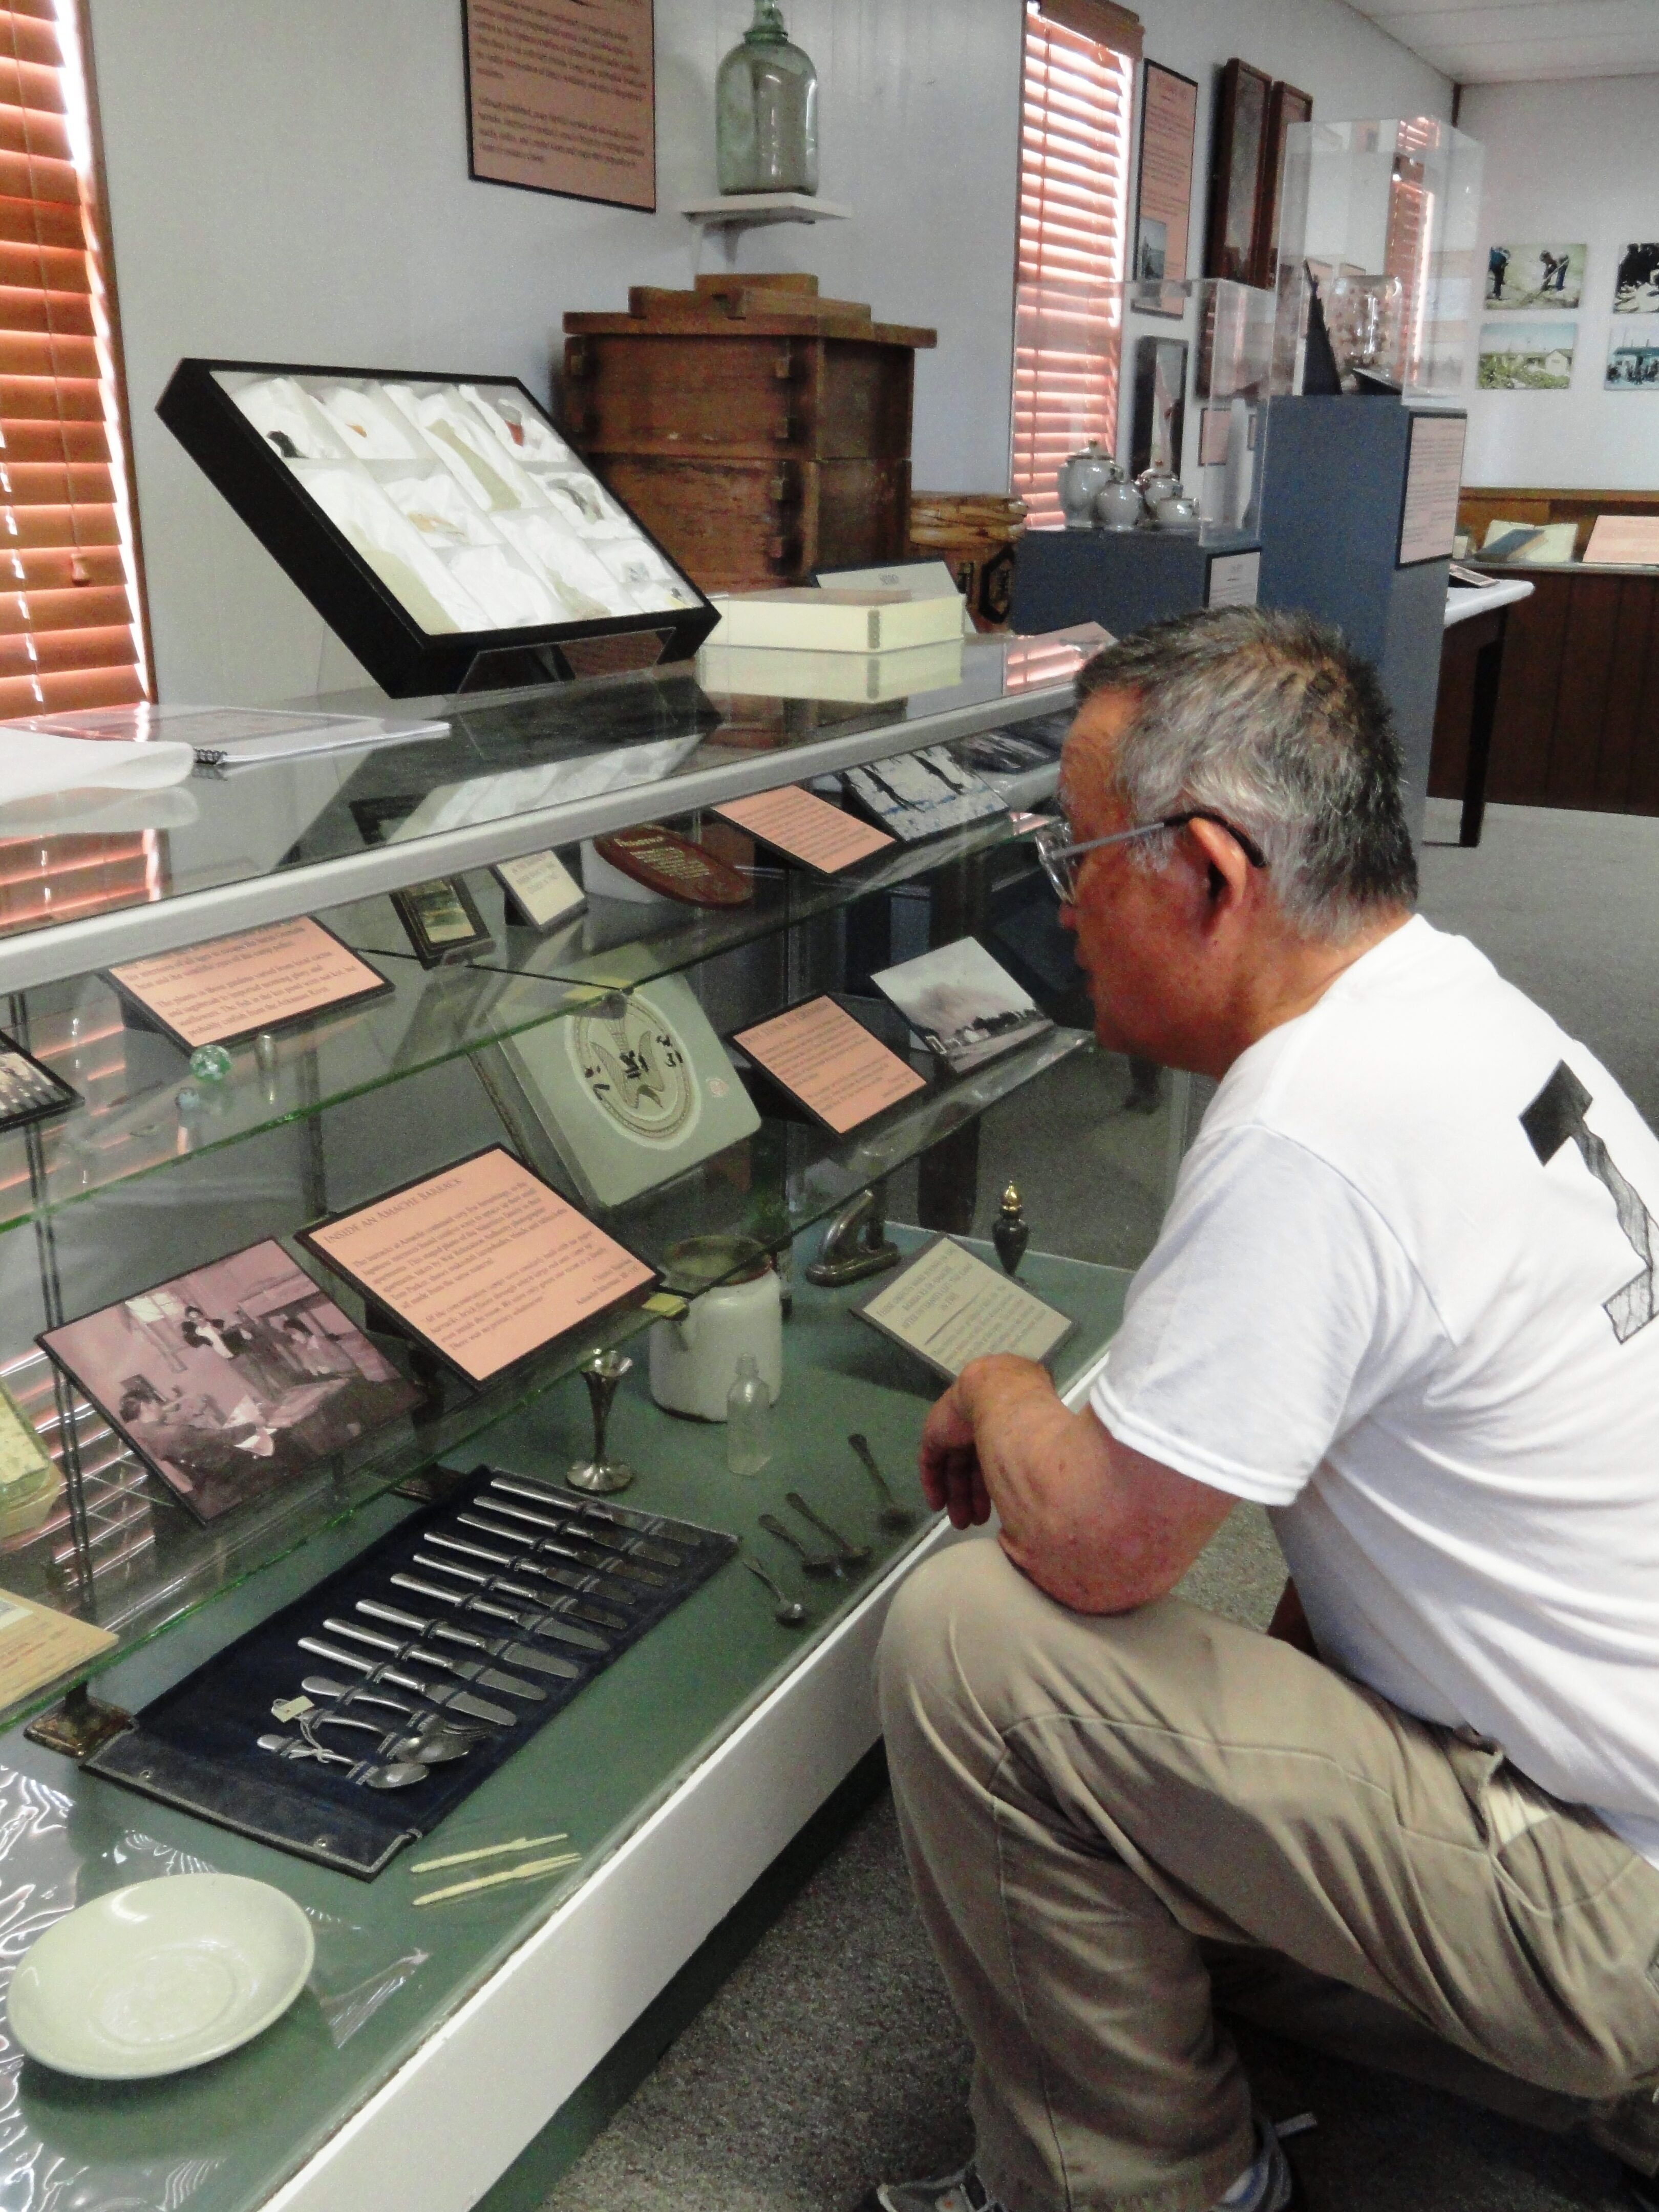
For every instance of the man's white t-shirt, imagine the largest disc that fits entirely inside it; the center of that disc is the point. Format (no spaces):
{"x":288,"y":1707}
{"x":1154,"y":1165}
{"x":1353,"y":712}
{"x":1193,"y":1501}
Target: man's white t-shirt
{"x":1406,"y":1297}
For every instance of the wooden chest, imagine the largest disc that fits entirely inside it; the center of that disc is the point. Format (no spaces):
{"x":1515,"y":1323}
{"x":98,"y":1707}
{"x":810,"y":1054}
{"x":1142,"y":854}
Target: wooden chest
{"x":758,"y":431}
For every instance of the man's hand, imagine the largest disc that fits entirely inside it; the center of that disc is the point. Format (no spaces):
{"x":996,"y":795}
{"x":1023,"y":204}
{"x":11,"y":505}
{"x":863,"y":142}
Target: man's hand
{"x":1100,"y":1527}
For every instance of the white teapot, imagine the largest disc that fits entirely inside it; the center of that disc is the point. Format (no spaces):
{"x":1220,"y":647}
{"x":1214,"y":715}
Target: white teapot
{"x":694,"y":1360}
{"x":1080,"y":477}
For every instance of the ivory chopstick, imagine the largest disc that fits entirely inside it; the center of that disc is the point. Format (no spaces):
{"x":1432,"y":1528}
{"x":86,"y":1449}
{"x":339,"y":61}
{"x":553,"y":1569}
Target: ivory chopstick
{"x":489,"y":1881}
{"x":488,"y":1852}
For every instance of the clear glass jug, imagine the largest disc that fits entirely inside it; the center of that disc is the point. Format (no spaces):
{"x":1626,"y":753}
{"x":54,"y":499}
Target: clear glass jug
{"x":766,"y":114}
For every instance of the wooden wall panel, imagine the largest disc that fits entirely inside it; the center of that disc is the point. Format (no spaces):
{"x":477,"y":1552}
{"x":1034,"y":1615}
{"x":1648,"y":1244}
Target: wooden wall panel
{"x":1583,"y":690}
{"x":1621,"y":726}
{"x":1526,"y":696}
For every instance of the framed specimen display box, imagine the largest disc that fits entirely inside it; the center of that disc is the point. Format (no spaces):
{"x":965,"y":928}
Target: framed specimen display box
{"x":439,"y":523}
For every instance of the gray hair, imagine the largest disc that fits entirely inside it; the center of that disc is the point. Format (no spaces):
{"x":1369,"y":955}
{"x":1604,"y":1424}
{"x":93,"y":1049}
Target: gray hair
{"x":1269,"y":720}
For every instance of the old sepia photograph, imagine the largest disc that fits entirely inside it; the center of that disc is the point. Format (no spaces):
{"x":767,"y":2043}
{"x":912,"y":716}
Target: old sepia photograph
{"x":233,"y":1378}
{"x":1636,"y":288}
{"x":1535,"y":276}
{"x":960,"y":1003}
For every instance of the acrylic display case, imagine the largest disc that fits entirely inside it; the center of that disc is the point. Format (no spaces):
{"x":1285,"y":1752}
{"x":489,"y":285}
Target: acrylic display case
{"x":440,"y":523}
{"x":1384,"y":212}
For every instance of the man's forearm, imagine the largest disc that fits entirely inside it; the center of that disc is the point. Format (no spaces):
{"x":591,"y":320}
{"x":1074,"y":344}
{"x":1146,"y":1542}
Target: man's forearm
{"x":1096,"y":1525}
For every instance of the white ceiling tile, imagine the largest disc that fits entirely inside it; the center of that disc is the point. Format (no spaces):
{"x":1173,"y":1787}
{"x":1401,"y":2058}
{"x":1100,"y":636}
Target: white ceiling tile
{"x":1525,"y":41}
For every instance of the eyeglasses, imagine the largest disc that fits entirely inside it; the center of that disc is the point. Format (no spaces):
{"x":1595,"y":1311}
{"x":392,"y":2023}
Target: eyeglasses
{"x":1059,"y":858}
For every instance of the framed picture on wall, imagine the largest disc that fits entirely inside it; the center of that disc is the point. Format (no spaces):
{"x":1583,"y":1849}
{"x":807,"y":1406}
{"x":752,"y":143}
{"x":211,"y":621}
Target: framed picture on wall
{"x":1235,"y":164}
{"x":1164,"y":187}
{"x":1535,"y":276}
{"x":1285,"y":106}
{"x":1160,"y":404}
{"x":1636,"y":291}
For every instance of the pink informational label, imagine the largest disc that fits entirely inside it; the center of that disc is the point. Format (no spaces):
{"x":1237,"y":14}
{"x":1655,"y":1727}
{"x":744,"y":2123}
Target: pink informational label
{"x":257,"y":980}
{"x":805,"y":828}
{"x":830,"y":1062}
{"x":482,"y":1260}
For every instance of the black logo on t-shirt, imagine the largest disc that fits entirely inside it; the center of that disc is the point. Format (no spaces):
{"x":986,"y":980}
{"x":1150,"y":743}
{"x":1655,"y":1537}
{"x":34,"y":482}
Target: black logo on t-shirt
{"x":1556,"y":1117}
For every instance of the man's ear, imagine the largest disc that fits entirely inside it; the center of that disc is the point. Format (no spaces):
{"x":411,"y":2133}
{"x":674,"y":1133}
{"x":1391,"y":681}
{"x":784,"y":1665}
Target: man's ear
{"x":1227,"y":866}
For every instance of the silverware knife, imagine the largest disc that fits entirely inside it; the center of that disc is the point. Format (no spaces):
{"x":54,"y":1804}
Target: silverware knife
{"x":533,"y":1624}
{"x":563,"y":1539}
{"x":470,"y":1670}
{"x":578,"y":1520}
{"x":436,"y":1694}
{"x":615,"y":1571}
{"x":494,"y":1647}
{"x":562,"y":1576}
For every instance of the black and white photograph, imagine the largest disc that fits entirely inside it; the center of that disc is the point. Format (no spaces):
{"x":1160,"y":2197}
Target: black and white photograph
{"x":233,"y":1378}
{"x":28,"y":1091}
{"x":1633,"y":356}
{"x":441,"y":921}
{"x":965,"y":1008}
{"x":1636,"y":288}
{"x":919,"y":795}
{"x":1535,"y":276}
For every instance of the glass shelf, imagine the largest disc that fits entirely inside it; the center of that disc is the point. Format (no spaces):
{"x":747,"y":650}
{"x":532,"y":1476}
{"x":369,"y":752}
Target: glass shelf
{"x":117,"y":1548}
{"x":516,"y":772}
{"x":133,"y":1120}
{"x":615,"y":943}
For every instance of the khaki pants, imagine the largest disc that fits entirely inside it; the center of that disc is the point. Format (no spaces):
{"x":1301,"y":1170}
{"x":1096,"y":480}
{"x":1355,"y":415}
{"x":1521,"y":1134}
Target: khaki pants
{"x":1115,"y":1824}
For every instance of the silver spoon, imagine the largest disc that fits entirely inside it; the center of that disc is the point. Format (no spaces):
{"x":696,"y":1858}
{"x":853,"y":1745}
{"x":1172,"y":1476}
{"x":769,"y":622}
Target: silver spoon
{"x":401,"y":1774}
{"x":892,"y":1515}
{"x":791,"y":1611}
{"x":813,"y":1563}
{"x":852,"y":1555}
{"x":431,"y":1747}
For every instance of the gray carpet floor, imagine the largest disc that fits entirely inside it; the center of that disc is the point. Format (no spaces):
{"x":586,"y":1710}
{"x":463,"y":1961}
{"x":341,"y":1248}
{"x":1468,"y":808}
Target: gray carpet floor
{"x":832,"y":2056}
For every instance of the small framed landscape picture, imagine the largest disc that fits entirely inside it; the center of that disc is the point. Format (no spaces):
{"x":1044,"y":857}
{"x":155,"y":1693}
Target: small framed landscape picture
{"x":1633,"y":355}
{"x":441,"y":921}
{"x":1636,"y":288}
{"x":1534,"y":277}
{"x":29,"y":1091}
{"x":1526,"y":356}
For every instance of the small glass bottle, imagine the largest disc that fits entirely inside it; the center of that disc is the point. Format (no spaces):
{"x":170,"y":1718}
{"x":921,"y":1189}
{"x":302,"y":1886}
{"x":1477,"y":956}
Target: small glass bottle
{"x":748,"y":1419}
{"x":766,"y":111}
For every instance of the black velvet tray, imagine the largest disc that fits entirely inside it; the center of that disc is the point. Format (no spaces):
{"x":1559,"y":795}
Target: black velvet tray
{"x":195,"y":1746}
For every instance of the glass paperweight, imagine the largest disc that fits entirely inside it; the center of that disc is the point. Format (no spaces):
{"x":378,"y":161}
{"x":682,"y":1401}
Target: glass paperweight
{"x":766,"y":111}
{"x":210,"y":1063}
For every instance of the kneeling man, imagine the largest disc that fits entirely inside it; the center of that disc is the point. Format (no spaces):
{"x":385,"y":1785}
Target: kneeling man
{"x":1406,"y":1298}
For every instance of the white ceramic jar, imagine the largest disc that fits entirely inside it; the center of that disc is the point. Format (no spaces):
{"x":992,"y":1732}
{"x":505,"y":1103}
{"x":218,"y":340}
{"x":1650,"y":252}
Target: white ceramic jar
{"x":695,"y":1359}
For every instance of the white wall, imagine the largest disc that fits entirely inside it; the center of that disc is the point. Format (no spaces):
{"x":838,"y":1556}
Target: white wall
{"x":1567,"y":161}
{"x":288,"y":181}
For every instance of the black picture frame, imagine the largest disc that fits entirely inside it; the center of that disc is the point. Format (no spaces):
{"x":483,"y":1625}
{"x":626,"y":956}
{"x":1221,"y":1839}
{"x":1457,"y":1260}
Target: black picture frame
{"x":1285,"y":105}
{"x":405,"y":659}
{"x":411,"y":905}
{"x":259,"y":1478}
{"x":376,"y":1301}
{"x":381,"y":988}
{"x":1152,"y":295}
{"x":1235,"y":163}
{"x":1160,"y":369}
{"x":59,"y":1097}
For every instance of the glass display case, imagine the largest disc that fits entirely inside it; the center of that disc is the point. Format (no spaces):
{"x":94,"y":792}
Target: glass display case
{"x":170,"y":1162}
{"x":1382,"y":217}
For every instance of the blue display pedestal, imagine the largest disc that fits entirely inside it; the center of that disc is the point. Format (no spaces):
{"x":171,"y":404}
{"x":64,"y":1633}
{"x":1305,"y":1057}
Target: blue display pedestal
{"x":1126,"y":578}
{"x":1333,"y":491}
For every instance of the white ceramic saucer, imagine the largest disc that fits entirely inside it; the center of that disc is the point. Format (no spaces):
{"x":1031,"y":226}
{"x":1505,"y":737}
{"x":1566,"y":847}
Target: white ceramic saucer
{"x":160,"y":1976}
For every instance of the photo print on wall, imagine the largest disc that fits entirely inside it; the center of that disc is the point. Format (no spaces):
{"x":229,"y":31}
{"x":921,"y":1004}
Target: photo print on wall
{"x":1633,"y":356}
{"x":1526,"y":356}
{"x":1534,"y":277}
{"x":1636,"y":289}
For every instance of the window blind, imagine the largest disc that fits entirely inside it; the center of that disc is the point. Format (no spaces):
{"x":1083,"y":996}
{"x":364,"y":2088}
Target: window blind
{"x":71,"y":631}
{"x":1076,"y":98}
